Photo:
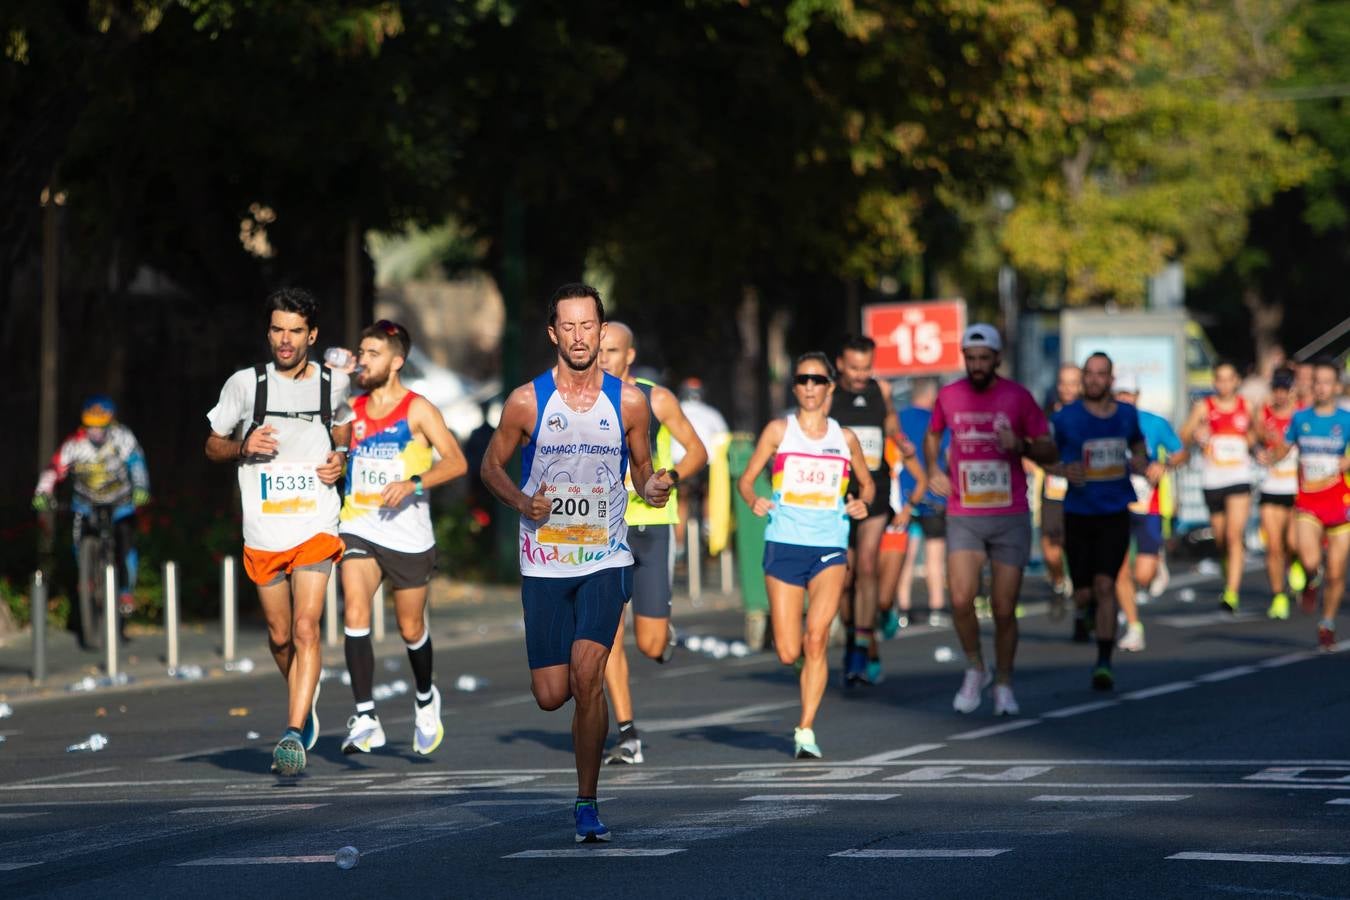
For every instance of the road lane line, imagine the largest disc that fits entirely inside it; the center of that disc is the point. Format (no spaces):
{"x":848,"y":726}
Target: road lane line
{"x":60,"y":777}
{"x":262,"y":807}
{"x":773,"y":798}
{"x":1265,"y":858}
{"x":257,"y":860}
{"x":23,"y":815}
{"x":695,"y":669}
{"x":209,"y":751}
{"x":11,"y":866}
{"x":1276,"y":661}
{"x":1171,"y":687}
{"x":1339,"y":801}
{"x":941,"y":853}
{"x":1014,"y":725}
{"x":892,"y":755}
{"x":739,"y":715}
{"x":513,"y":701}
{"x":1065,"y":712}
{"x":587,"y":852}
{"x":1109,"y":798}
{"x":1225,"y":674}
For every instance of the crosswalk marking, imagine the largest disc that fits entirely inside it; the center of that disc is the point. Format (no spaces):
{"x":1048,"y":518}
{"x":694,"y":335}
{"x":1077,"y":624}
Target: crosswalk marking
{"x":1109,"y":798}
{"x":262,"y":807}
{"x":924,"y":853}
{"x":1014,"y":725}
{"x":794,"y":797}
{"x":12,"y":866}
{"x":257,"y":860}
{"x":588,"y":852}
{"x":1298,"y":859}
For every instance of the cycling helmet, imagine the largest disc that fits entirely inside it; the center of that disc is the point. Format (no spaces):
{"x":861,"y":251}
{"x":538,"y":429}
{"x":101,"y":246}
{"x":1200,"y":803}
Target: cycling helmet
{"x":98,"y":411}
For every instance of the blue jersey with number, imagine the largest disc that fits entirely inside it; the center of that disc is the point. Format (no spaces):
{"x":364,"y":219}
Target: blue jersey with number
{"x":1103,"y":447}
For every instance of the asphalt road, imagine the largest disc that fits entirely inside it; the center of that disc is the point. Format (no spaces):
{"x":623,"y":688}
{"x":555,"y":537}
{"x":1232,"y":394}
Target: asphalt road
{"x":1219,"y":767}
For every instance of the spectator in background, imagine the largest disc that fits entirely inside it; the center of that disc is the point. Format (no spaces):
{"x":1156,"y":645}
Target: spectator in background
{"x":710,"y":427}
{"x":1256,"y":386}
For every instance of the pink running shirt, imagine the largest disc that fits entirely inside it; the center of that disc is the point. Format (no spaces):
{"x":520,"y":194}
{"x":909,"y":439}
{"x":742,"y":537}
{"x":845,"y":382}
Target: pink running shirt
{"x":986,"y":481}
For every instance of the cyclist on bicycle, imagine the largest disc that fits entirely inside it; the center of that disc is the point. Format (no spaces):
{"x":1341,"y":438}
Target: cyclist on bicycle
{"x":109,"y":471}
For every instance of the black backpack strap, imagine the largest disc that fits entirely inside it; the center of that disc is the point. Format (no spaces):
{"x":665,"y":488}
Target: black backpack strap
{"x":326,"y":402}
{"x":259,"y":399}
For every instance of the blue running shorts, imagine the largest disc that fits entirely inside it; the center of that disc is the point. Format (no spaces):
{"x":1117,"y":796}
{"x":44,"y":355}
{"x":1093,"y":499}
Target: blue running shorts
{"x":561,"y":611}
{"x":797,"y":565}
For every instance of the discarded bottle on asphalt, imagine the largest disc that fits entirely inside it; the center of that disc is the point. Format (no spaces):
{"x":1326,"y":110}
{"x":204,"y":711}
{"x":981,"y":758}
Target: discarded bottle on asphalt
{"x":347,"y":857}
{"x":470,"y":683}
{"x":95,"y":743}
{"x":6,"y":710}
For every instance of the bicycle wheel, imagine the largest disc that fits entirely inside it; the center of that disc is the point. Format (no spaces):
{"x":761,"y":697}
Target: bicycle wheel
{"x":91,"y":594}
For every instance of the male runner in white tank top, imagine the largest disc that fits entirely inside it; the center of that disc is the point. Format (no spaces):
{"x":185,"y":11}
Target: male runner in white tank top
{"x":579,"y":429}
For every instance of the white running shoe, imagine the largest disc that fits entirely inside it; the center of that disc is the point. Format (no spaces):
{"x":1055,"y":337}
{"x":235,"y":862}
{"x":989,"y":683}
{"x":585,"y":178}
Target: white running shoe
{"x":1005,"y":704}
{"x":1159,"y":583}
{"x":1142,"y":598}
{"x":967,"y":700}
{"x":427,"y":728}
{"x":1133,"y":640}
{"x":364,"y":733}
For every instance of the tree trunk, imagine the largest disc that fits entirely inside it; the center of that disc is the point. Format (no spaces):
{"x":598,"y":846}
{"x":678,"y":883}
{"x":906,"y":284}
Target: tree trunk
{"x":745,"y":412}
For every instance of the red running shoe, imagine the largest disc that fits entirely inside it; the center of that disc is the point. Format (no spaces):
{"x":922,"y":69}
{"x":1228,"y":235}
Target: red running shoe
{"x":1326,"y":639}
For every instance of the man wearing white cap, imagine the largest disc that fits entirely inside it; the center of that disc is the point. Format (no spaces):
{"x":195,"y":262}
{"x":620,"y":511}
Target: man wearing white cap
{"x":1153,"y":504}
{"x":994,"y":423}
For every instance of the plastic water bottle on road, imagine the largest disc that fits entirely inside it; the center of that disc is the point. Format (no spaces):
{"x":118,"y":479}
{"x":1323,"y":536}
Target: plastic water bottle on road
{"x":347,"y":857}
{"x":95,"y":743}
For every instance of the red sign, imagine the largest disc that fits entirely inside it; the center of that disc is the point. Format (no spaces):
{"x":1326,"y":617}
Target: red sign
{"x":916,"y":338}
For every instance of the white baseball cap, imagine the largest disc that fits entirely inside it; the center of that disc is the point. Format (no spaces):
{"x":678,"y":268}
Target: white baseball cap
{"x":1126,"y":383}
{"x":982,"y":334}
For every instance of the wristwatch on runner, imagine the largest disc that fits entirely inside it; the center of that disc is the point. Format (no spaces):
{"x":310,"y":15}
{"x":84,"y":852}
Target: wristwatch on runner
{"x":417,"y":484}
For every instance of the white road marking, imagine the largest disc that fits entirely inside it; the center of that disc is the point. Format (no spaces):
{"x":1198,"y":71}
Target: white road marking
{"x":1171,"y":687}
{"x":1196,"y":620}
{"x":773,"y":798}
{"x":62,"y":776}
{"x":513,"y":701}
{"x":542,"y":801}
{"x":736,"y":716}
{"x":892,"y":755}
{"x":801,"y":774}
{"x":1065,"y":712}
{"x":275,"y":807}
{"x":1265,"y":858}
{"x":1286,"y":659}
{"x":952,"y":853}
{"x":1295,"y":773}
{"x":1014,"y":725}
{"x":940,"y":773}
{"x":209,"y":751}
{"x":1339,"y":801}
{"x":11,"y":866}
{"x":257,"y":860}
{"x":1225,"y":674}
{"x":1109,"y":798}
{"x":585,"y":852}
{"x":687,"y":670}
{"x":23,"y":815}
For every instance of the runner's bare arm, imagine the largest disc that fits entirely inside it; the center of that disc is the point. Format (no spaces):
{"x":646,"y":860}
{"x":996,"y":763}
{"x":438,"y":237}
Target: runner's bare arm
{"x":867,"y":488}
{"x":1041,"y":450}
{"x":428,"y":424}
{"x":892,"y":425}
{"x":937,"y":480}
{"x":1190,"y":428}
{"x":668,"y":410}
{"x":637,"y":423}
{"x":765,"y":448}
{"x":220,"y":448}
{"x":911,"y":463}
{"x":514,"y":429}
{"x":336,"y":460}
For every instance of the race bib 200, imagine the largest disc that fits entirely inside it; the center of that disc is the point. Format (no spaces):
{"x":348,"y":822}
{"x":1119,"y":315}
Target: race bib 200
{"x":578,"y":515}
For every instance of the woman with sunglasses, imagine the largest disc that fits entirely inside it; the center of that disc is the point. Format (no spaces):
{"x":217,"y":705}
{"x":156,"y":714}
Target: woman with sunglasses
{"x":806,"y":542}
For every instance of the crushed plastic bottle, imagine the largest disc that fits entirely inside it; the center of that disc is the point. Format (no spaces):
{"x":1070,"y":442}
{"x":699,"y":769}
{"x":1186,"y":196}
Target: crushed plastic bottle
{"x":720,"y":650}
{"x":187,"y":673}
{"x":243,"y":666}
{"x":87,"y":683}
{"x":93,"y":744}
{"x":1186,"y":595}
{"x":399,"y":687}
{"x":347,"y":857}
{"x":943,"y":655}
{"x":346,"y":678}
{"x":338,"y":357}
{"x":252,"y":735}
{"x":694,"y":643}
{"x":326,"y":674}
{"x":391,"y":665}
{"x":381,"y":692}
{"x":739,"y":649}
{"x":6,"y":710}
{"x":470,"y":683}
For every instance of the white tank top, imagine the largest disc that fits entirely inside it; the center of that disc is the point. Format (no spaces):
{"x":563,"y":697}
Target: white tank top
{"x":582,"y":458}
{"x":383,"y":451}
{"x":810,"y":479}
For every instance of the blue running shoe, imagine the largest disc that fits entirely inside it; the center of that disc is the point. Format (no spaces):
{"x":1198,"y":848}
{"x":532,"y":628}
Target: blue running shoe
{"x":874,"y":673}
{"x":288,"y":758}
{"x":590,"y":830}
{"x":890,"y":623}
{"x":855,"y":666}
{"x":310,"y":734}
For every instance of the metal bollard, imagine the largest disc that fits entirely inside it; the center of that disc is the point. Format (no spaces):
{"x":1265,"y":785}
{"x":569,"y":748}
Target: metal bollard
{"x":728,"y":569}
{"x":228,"y":612}
{"x":330,"y":610}
{"x":171,"y":614}
{"x":37,"y":612}
{"x":377,"y":613}
{"x":110,"y":629}
{"x":693,"y":555}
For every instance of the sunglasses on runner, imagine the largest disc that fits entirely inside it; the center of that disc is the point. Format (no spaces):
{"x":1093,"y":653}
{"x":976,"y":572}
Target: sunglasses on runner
{"x":810,"y":378}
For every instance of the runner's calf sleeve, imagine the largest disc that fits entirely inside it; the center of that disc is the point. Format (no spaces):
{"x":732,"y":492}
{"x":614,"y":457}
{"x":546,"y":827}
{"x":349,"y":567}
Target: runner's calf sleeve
{"x":360,"y":655}
{"x":419,"y":655}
